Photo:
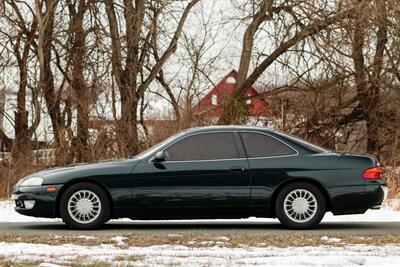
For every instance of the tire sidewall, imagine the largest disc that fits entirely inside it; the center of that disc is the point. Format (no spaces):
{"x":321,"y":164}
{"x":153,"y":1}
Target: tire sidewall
{"x":285,"y":220}
{"x":105,"y":206}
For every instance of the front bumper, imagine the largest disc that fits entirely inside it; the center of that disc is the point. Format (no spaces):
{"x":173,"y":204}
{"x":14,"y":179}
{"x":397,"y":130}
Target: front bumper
{"x":44,"y":201}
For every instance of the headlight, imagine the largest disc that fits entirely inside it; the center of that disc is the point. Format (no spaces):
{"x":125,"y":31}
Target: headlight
{"x":33,"y":181}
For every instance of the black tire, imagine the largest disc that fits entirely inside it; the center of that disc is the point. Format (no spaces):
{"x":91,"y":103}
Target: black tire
{"x":103,"y":214}
{"x":290,"y":222}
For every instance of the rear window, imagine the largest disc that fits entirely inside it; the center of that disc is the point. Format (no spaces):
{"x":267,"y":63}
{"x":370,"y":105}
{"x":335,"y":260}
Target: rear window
{"x":261,"y":145}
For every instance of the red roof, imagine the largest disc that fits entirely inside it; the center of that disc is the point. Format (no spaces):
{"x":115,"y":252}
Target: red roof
{"x":211,"y":103}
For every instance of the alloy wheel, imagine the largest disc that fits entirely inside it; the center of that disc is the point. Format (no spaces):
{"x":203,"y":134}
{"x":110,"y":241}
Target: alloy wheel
{"x":84,"y":206}
{"x":300,"y":205}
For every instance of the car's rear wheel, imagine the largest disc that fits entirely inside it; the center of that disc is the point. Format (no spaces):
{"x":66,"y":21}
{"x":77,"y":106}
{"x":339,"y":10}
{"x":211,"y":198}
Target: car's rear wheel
{"x":84,"y":206}
{"x":300,"y":206}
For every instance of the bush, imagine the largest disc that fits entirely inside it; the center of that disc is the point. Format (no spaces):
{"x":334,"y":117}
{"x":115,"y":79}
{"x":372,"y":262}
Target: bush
{"x":392,"y":176}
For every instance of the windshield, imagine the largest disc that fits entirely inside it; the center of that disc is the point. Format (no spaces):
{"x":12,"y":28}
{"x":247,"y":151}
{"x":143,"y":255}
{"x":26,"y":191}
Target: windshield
{"x":154,"y":148}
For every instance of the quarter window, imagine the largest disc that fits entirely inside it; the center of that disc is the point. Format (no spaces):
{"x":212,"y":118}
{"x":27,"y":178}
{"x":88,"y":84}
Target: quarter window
{"x":207,"y":146}
{"x":260,"y":145}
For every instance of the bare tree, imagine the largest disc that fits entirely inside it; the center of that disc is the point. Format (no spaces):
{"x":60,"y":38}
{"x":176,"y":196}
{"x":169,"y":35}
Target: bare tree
{"x":293,"y":32}
{"x":129,"y":65}
{"x":20,"y":34}
{"x":185,"y":86}
{"x":77,"y":10}
{"x":368,"y":83}
{"x":45,"y":14}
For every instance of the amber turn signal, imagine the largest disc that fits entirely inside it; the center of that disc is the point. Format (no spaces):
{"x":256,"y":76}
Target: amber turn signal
{"x":51,"y":189}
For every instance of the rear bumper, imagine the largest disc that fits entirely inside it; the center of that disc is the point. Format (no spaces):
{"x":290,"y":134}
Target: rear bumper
{"x":375,"y":195}
{"x":44,"y":202}
{"x":360,"y":200}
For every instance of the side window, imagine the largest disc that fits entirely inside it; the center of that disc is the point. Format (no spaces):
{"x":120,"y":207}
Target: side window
{"x":206,"y":146}
{"x":260,"y":145}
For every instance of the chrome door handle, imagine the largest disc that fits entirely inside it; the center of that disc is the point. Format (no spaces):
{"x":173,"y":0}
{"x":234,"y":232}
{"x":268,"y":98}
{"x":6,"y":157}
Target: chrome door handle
{"x":237,"y":169}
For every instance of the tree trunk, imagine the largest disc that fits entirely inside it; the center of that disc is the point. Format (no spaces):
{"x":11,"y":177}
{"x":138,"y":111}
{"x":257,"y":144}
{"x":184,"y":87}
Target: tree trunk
{"x":368,"y":88}
{"x":22,"y":150}
{"x":22,"y":146}
{"x":52,"y":99}
{"x":2,"y":106}
{"x":82,"y":94}
{"x":127,"y":124}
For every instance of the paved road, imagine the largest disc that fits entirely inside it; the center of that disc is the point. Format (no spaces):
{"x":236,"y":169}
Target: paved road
{"x":340,"y":228}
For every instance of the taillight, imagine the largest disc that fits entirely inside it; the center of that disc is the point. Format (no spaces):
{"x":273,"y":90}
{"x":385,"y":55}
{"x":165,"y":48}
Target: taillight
{"x":373,"y":173}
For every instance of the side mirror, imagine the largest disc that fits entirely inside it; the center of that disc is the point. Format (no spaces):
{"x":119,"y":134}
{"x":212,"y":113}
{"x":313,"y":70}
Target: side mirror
{"x":159,"y":156}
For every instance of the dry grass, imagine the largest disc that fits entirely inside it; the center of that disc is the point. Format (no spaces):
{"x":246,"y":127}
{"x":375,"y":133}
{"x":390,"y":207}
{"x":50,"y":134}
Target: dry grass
{"x":205,"y":240}
{"x":130,"y":258}
{"x":80,"y":262}
{"x":10,"y":173}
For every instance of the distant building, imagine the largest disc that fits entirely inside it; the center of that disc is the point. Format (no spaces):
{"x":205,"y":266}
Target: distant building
{"x":43,"y":133}
{"x":211,"y":105}
{"x":41,"y":140}
{"x":5,"y":143}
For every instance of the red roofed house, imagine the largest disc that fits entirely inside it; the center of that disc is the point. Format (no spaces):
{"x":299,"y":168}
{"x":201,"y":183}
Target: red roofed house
{"x":211,"y":104}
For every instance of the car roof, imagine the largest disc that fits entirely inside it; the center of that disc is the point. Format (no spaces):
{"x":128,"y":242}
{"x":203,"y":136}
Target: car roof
{"x":299,"y":144}
{"x":228,"y":128}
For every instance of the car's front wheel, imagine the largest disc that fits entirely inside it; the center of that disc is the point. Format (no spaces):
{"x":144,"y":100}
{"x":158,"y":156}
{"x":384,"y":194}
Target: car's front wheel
{"x":84,"y":206}
{"x":300,"y":206}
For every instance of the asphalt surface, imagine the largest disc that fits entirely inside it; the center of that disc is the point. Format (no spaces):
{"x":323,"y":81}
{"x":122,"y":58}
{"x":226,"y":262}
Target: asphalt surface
{"x":339,"y":228}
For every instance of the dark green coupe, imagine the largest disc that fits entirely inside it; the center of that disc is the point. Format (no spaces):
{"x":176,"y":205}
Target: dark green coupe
{"x":209,"y":172}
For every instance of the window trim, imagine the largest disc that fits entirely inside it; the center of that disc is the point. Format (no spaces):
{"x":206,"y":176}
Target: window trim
{"x":203,"y":160}
{"x":265,"y":157}
{"x":214,"y":100}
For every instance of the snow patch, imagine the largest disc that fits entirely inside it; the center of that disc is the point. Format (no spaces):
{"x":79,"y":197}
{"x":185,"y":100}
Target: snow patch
{"x":174,"y":235}
{"x":86,"y":237}
{"x":119,"y":239}
{"x":178,"y":255}
{"x":8,"y":214}
{"x":45,"y":264}
{"x":331,"y":239}
{"x":392,"y":204}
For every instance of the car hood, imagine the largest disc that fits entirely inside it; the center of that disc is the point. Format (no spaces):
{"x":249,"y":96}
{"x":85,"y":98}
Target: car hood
{"x":100,"y":168}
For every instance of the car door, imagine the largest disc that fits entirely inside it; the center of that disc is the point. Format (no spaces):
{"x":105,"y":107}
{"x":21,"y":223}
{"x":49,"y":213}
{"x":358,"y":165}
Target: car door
{"x":201,"y":170}
{"x":271,"y":161}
